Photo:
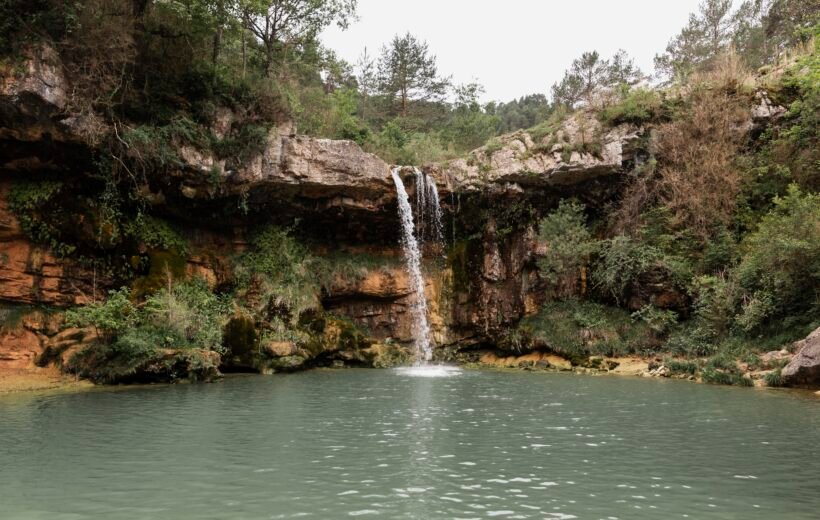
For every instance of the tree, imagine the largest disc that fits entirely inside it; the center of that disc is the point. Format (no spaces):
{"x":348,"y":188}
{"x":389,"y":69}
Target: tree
{"x":699,"y":43}
{"x":367,"y":80}
{"x":524,"y":112}
{"x":763,"y":29}
{"x":282,"y":24}
{"x":407,"y":72}
{"x":470,"y":125}
{"x":590,"y":73}
{"x":568,"y":91}
{"x":623,"y":71}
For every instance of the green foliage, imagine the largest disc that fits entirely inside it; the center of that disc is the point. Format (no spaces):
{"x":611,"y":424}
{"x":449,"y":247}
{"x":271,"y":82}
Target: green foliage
{"x":660,"y":321}
{"x":578,"y":328}
{"x":779,"y":273}
{"x":638,"y":106}
{"x":110,"y":318}
{"x":681,"y":367}
{"x":242,"y":145}
{"x":549,"y":126}
{"x":157,"y":146}
{"x":188,"y":314}
{"x":723,"y":370}
{"x":524,"y":112}
{"x":155,"y":233}
{"x":774,"y":378}
{"x":31,"y":21}
{"x":569,"y":241}
{"x":621,"y":260}
{"x":185,"y":316}
{"x":28,"y":200}
{"x":278,"y":271}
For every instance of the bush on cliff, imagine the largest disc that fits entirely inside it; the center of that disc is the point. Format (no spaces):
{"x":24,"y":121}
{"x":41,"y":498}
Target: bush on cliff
{"x":183,"y":317}
{"x":569,"y":242}
{"x":278,"y":275}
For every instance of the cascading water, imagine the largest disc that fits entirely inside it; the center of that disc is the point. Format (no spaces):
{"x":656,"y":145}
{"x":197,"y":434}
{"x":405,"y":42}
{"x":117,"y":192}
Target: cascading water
{"x":412,"y":253}
{"x":428,"y":209}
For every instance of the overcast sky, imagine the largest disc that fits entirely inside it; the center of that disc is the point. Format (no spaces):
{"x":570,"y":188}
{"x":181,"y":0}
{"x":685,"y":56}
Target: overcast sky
{"x":515,"y":47}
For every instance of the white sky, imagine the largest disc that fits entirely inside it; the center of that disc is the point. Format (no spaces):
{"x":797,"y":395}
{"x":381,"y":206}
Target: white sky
{"x":515,"y":47}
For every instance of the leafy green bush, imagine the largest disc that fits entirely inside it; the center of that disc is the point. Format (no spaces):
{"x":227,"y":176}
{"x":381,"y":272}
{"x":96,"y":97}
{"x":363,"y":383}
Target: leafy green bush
{"x":578,"y":329}
{"x":155,"y":233}
{"x":110,"y":318}
{"x":779,"y":274}
{"x":681,"y":367}
{"x":621,"y":260}
{"x":188,"y":314}
{"x":660,"y":321}
{"x":694,"y":339}
{"x":279,"y":271}
{"x":242,"y":145}
{"x":29,"y":200}
{"x":638,"y":106}
{"x":569,"y":241}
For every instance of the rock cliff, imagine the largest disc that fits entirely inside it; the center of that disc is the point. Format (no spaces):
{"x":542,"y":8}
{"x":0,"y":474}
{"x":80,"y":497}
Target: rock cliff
{"x":334,"y":195}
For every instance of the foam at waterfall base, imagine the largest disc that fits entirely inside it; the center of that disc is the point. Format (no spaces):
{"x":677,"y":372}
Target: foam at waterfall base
{"x":429,"y":371}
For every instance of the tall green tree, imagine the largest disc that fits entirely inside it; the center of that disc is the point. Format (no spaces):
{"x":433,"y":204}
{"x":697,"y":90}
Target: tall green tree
{"x":763,"y":29}
{"x":283,"y":24}
{"x":623,"y":71}
{"x":699,"y":42}
{"x":407,"y":72}
{"x":590,"y":73}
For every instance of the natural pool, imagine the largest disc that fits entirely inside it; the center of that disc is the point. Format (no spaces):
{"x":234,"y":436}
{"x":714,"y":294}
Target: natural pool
{"x":370,"y":443}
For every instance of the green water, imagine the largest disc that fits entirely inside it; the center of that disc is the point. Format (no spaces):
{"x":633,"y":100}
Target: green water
{"x":350,"y":443}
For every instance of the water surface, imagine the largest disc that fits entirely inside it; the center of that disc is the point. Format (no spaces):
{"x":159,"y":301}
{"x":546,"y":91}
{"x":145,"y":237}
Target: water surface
{"x":377,"y":444}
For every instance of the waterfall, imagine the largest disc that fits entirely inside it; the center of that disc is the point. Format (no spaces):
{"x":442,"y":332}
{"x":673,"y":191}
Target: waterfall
{"x":435,"y":211}
{"x":428,"y":210}
{"x":412,"y":255}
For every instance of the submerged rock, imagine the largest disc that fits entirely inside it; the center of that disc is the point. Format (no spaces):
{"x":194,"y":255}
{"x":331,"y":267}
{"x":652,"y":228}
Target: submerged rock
{"x":804,"y":368}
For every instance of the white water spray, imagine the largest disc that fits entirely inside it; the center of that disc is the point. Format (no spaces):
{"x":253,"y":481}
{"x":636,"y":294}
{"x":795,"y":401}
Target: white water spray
{"x":412,"y":254}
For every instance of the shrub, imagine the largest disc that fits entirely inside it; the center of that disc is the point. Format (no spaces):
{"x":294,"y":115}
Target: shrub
{"x":569,"y":241}
{"x":155,"y":233}
{"x":109,"y":318}
{"x":638,"y":106}
{"x":188,"y":314}
{"x":774,"y":378}
{"x":578,"y":329}
{"x":693,"y":339}
{"x":779,"y":273}
{"x":621,"y":260}
{"x":699,"y":181}
{"x":279,"y":272}
{"x":681,"y":367}
{"x":659,"y":320}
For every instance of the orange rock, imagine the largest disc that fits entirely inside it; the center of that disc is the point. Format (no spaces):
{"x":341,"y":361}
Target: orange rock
{"x":19,"y":348}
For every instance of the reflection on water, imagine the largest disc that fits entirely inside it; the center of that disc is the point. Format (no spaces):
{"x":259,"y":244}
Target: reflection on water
{"x":429,"y":371}
{"x":342,"y":444}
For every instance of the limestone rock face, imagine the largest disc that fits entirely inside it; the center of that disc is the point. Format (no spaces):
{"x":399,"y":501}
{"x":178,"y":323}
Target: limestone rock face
{"x":804,"y":368}
{"x":580,"y":149}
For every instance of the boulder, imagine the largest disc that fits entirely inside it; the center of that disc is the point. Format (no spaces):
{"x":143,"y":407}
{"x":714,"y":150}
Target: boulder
{"x":804,"y":368}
